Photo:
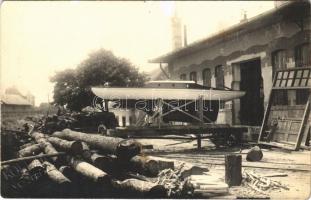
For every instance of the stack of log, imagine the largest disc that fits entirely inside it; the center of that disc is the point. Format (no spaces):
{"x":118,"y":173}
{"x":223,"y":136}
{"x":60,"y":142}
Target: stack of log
{"x":92,"y":165}
{"x":206,"y":186}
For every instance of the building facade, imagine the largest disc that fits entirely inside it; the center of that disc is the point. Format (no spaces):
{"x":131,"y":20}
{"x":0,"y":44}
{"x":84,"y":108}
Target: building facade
{"x":15,"y":106}
{"x":245,"y":57}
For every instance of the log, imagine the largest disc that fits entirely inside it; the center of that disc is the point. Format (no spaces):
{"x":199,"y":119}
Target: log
{"x":44,"y":144}
{"x":221,"y":187}
{"x":30,"y":150}
{"x":74,"y":147}
{"x":86,"y":152}
{"x":55,"y":175}
{"x":68,"y":172}
{"x":106,"y":163}
{"x":140,"y":188}
{"x":188,"y":169}
{"x":254,"y":154}
{"x":123,"y":149}
{"x":233,"y":170}
{"x":207,"y":194}
{"x":26,"y":145}
{"x":88,"y":170}
{"x":204,"y":179}
{"x":149,"y":165}
{"x":35,"y":167}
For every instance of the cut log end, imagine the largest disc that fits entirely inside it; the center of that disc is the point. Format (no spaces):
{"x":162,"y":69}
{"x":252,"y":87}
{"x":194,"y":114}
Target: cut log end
{"x":158,"y":191}
{"x":127,"y":149}
{"x":77,"y":147}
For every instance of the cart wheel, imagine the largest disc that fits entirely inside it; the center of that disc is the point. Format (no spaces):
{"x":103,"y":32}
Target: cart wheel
{"x":102,"y":129}
{"x":231,"y":140}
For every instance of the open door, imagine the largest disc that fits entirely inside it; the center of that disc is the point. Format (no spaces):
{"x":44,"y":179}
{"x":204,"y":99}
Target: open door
{"x":252,"y":103}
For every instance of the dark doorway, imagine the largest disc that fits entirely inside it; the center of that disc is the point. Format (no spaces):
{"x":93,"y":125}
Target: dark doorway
{"x":123,"y":121}
{"x":252,"y":103}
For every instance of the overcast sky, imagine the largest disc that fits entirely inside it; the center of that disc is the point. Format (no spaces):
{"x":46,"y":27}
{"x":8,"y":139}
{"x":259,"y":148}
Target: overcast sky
{"x":40,"y":38}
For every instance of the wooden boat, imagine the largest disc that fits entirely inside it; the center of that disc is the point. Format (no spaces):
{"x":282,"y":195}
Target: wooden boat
{"x":182,"y":95}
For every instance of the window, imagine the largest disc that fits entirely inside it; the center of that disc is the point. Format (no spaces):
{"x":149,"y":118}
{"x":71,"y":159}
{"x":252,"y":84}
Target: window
{"x":279,"y":58}
{"x":302,"y":79}
{"x":302,"y":55}
{"x":183,"y":77}
{"x":193,"y":76}
{"x":302,"y":59}
{"x":219,"y":75}
{"x":207,"y":77}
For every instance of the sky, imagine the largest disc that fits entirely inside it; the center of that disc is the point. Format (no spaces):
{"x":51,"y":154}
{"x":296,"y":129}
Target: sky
{"x":38,"y":39}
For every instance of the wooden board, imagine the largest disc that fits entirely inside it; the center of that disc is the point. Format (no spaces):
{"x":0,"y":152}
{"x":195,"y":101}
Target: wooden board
{"x":285,"y":126}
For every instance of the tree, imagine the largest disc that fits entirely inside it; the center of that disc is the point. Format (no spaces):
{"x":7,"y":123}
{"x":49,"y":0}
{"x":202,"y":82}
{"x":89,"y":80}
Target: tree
{"x":73,"y":86}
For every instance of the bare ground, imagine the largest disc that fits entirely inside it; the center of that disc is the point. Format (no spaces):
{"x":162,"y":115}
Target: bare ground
{"x":296,"y":164}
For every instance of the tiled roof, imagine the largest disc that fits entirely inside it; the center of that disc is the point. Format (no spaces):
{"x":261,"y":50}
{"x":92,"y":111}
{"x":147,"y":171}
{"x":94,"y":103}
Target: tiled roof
{"x":14,"y":99}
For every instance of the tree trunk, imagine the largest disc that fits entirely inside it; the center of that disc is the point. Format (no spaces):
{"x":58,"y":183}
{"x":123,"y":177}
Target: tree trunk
{"x":140,"y":188}
{"x":89,"y":170}
{"x":35,"y":166}
{"x":188,"y":169}
{"x":233,"y":168}
{"x":56,"y":175}
{"x":30,"y":150}
{"x":149,"y":165}
{"x":105,"y":163}
{"x":74,"y":147}
{"x":44,"y":144}
{"x":124,"y":149}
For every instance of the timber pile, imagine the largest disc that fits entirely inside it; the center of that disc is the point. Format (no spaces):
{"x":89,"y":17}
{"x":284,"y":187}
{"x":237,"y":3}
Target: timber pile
{"x":74,"y":164}
{"x":261,"y":184}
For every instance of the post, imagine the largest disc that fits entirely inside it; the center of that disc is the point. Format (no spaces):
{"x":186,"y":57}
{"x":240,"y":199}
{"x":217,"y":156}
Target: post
{"x":160,"y":105}
{"x":200,"y":110}
{"x":233,"y":168}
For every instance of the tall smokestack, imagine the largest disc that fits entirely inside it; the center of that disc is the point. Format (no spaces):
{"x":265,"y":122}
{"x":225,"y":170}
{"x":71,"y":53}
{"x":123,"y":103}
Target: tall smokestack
{"x":176,"y":31}
{"x":185,"y":36}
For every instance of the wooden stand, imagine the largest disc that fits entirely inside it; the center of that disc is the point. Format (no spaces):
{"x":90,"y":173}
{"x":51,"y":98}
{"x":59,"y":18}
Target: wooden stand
{"x":233,"y":168}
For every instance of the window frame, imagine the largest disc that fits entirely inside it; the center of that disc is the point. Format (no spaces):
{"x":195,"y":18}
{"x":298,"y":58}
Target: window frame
{"x":207,"y":81}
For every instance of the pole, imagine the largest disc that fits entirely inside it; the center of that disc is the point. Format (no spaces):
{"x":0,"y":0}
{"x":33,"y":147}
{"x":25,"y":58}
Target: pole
{"x":7,"y":162}
{"x":201,"y":116}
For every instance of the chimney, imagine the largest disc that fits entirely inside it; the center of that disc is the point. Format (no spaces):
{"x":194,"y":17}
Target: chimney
{"x":176,"y":32}
{"x":185,"y":36}
{"x":244,"y":19}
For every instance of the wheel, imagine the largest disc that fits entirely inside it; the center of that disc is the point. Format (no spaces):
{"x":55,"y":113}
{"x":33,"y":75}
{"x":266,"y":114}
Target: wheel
{"x":102,"y":129}
{"x":231,"y":140}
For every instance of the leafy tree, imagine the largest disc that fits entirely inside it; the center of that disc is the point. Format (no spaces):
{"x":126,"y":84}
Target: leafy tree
{"x":73,"y":86}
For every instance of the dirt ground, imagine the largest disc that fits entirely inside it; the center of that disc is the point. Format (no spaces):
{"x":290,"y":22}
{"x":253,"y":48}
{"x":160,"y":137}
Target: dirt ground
{"x":295,"y":164}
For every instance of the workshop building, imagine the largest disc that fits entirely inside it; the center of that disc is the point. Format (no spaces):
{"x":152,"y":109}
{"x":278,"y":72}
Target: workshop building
{"x":245,"y":57}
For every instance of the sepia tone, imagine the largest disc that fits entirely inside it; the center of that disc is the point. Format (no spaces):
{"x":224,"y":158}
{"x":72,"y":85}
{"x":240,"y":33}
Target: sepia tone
{"x":151,"y":99}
